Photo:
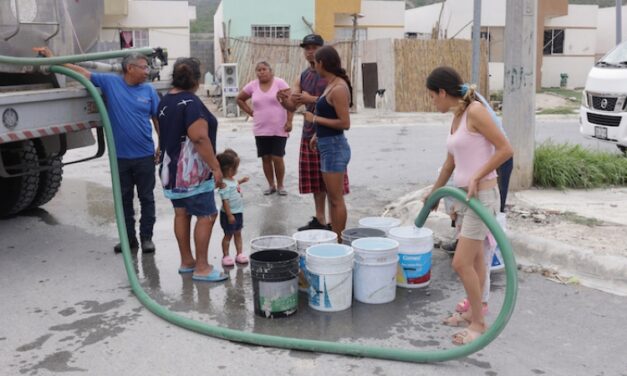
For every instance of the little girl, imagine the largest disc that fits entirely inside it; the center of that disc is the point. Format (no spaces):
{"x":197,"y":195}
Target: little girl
{"x":232,"y":212}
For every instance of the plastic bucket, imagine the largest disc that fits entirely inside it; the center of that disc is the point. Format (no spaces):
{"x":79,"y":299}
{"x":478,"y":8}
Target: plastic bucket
{"x":414,"y":252}
{"x":382,"y":223}
{"x":497,"y":260}
{"x":351,"y":234}
{"x":305,"y":239}
{"x":374,"y":277}
{"x":330,"y":275}
{"x":275,"y":282}
{"x":263,"y":243}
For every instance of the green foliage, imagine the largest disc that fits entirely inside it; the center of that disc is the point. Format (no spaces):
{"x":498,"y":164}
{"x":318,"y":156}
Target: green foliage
{"x":565,"y":93}
{"x":572,"y":166}
{"x":561,"y":110}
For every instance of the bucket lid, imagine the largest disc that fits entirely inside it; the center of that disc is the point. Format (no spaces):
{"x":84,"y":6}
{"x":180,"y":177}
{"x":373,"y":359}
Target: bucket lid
{"x":315,"y":236}
{"x":379,"y":222}
{"x":375,"y":244}
{"x":405,"y":233}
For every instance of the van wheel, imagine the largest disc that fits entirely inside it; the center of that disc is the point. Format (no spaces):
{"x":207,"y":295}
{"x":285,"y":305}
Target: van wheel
{"x":623,"y":149}
{"x":18,"y":192}
{"x":49,"y":179}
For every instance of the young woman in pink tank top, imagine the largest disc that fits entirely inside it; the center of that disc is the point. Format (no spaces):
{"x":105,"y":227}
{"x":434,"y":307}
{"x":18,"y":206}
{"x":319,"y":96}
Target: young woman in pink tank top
{"x":476,"y":147}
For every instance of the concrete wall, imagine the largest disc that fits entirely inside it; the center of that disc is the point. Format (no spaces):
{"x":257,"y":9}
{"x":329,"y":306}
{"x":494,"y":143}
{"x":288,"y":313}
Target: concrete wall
{"x":606,"y":29}
{"x":381,"y":19}
{"x":380,"y":51}
{"x":497,"y":74}
{"x":202,"y":48}
{"x":577,"y":69}
{"x":244,"y":13}
{"x":326,"y":11}
{"x":218,"y":33}
{"x":171,"y":32}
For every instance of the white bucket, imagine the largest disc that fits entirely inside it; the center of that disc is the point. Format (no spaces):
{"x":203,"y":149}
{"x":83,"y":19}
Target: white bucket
{"x":330,"y":276}
{"x":374,"y":278}
{"x":382,"y":223}
{"x":497,"y":260}
{"x":264,"y":243}
{"x":414,"y":252}
{"x":305,"y":239}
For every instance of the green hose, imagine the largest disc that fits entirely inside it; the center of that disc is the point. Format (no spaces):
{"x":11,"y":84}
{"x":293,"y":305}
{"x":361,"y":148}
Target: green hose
{"x":294,"y":343}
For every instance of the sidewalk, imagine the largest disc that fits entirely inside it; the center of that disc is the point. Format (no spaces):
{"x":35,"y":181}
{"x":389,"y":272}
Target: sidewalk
{"x":580,"y":234}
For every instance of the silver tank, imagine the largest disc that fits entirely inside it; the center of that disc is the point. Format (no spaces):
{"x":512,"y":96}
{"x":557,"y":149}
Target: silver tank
{"x":66,"y":26}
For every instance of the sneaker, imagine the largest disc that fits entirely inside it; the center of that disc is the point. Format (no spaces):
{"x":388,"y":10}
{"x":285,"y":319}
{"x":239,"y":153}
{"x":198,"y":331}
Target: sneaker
{"x":148,"y":246}
{"x":450,"y":247}
{"x":132,"y":242}
{"x":314,"y":224}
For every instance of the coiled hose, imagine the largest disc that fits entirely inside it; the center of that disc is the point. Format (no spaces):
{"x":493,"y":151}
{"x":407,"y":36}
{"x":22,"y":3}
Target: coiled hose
{"x":406,"y":355}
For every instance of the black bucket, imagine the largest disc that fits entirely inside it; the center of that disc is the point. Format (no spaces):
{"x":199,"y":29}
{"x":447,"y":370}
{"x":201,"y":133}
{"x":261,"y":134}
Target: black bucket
{"x":275,"y":282}
{"x":351,"y":234}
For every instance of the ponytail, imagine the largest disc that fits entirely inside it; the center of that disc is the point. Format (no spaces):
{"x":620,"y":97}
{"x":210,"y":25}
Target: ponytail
{"x":468,"y":95}
{"x":341,"y":73}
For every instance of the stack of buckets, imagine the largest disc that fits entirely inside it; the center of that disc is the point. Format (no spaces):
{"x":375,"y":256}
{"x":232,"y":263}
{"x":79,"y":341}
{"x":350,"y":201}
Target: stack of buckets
{"x":306,"y":239}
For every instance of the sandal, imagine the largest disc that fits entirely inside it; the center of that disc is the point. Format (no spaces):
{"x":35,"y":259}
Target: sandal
{"x":282,"y":192}
{"x":465,"y":336}
{"x":464,"y":306}
{"x":227,"y":261}
{"x":456,"y":320}
{"x":241,"y":259}
{"x":269,"y":191}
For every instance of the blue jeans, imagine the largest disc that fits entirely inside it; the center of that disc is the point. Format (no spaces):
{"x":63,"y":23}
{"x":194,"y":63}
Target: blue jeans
{"x":200,"y":205}
{"x":335,"y":153}
{"x":138,"y":173}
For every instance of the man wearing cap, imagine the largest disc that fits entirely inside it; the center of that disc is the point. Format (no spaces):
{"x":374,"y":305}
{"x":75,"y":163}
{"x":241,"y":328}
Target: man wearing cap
{"x":306,"y":91}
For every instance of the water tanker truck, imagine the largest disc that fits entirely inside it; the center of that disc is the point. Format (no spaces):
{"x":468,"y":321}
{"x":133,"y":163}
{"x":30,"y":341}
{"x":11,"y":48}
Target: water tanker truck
{"x":45,"y":115}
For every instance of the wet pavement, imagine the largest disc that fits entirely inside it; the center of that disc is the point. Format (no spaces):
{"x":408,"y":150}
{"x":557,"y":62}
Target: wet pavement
{"x":67,"y":307}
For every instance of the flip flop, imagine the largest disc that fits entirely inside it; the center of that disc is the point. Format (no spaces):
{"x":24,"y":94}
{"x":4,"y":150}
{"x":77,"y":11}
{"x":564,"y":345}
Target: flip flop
{"x":185,"y":269}
{"x":465,"y":336}
{"x":455,"y":320}
{"x":282,"y":192}
{"x":269,"y":191}
{"x":215,"y":276}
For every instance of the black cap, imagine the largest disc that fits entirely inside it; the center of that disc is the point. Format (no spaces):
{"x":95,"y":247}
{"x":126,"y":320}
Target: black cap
{"x":314,"y":39}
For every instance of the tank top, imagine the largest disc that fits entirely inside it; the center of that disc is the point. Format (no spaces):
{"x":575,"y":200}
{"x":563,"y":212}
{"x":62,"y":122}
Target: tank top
{"x":470,"y":151}
{"x":325,"y":110}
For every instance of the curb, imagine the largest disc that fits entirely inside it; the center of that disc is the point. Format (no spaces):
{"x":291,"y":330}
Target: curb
{"x":601,"y":272}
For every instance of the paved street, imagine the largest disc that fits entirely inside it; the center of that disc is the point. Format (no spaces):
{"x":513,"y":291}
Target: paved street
{"x":67,"y":306}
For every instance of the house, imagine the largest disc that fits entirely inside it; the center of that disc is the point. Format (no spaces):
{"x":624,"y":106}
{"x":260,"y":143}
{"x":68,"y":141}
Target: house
{"x":566,"y":45}
{"x":141,"y":23}
{"x":606,"y":29}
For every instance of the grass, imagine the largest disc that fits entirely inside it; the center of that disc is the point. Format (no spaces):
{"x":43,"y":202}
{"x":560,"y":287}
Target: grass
{"x":572,"y":166}
{"x":561,"y":110}
{"x":564,"y":93}
{"x":575,"y":218}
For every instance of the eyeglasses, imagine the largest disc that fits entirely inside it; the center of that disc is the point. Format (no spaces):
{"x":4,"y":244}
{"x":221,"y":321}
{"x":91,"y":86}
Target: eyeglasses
{"x":145,"y":68}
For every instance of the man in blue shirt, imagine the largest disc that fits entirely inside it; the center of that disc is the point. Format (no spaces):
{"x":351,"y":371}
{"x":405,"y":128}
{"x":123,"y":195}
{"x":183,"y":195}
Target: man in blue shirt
{"x":131,"y":103}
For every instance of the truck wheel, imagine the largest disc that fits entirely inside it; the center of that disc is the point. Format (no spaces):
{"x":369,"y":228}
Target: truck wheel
{"x":49,"y":179}
{"x":18,"y":192}
{"x":623,"y":149}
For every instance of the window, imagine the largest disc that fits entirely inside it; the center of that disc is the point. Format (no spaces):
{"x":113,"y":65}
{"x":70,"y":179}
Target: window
{"x":553,"y":41}
{"x":134,"y":38}
{"x":270,"y":31}
{"x":346,"y":33}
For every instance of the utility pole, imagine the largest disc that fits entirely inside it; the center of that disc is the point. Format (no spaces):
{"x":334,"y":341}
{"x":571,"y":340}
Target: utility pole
{"x":619,"y":21}
{"x":519,"y":89}
{"x":476,"y":42}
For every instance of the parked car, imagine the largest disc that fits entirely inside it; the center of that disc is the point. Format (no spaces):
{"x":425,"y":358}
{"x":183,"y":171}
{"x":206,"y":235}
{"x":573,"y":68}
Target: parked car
{"x":603,"y":114}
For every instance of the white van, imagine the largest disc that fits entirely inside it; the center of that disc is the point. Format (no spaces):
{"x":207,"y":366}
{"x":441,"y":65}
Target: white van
{"x":603,"y":114}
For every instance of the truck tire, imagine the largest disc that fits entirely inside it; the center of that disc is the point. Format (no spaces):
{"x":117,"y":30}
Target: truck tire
{"x":49,"y":179}
{"x":18,"y":192}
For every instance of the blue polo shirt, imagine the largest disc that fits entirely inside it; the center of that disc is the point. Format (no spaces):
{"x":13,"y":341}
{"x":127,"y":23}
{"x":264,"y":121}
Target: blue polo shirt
{"x":130,"y":109}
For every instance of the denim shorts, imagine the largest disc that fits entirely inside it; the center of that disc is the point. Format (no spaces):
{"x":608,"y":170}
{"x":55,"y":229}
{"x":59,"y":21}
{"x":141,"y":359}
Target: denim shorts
{"x":231,"y":228}
{"x":335,"y":153}
{"x":201,"y":205}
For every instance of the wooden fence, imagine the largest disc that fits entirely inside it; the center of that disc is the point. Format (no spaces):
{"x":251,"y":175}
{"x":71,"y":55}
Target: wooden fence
{"x":284,"y":56}
{"x":415,"y":59}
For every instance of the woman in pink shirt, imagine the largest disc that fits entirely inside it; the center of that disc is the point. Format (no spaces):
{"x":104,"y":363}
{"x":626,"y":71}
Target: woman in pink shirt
{"x":272,"y":124}
{"x":476,"y":147}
